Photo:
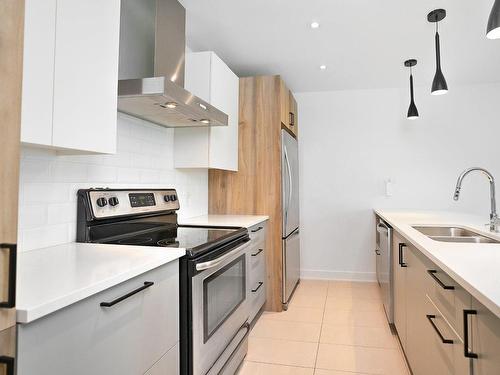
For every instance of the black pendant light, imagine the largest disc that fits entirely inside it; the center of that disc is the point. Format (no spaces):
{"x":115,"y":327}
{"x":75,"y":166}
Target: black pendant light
{"x":412,"y":110}
{"x":439,"y":85}
{"x":493,"y":29}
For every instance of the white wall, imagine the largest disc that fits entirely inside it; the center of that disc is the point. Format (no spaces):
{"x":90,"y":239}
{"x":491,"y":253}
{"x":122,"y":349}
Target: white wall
{"x":48,"y":181}
{"x":352,"y":141}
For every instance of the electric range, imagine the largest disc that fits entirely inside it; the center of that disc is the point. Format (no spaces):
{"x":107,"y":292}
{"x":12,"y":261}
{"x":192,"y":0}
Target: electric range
{"x":212,"y":275}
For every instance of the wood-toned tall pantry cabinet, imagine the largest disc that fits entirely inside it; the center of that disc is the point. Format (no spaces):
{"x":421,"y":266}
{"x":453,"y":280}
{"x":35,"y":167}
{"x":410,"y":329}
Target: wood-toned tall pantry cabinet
{"x":11,"y":72}
{"x":265,"y":107}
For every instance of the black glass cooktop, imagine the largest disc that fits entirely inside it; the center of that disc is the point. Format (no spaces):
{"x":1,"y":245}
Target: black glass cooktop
{"x":196,"y":240}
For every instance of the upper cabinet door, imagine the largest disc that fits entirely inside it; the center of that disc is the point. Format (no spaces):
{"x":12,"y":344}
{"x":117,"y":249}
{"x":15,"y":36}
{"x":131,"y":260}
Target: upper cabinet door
{"x":224,"y":94}
{"x":38,"y":71}
{"x":208,"y":77}
{"x":293,"y":116}
{"x":86,"y":75}
{"x":284,"y":103}
{"x":288,"y":109}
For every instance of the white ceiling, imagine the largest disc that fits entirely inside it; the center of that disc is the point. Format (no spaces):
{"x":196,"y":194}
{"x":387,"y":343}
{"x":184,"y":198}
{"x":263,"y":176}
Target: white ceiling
{"x":363,"y":42}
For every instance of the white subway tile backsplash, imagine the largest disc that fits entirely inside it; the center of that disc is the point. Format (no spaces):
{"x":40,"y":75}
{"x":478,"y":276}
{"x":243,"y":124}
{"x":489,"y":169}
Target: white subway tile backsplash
{"x":150,"y":176}
{"x":32,"y":216}
{"x":128,"y":175}
{"x":61,"y":213}
{"x":48,"y":235}
{"x":45,"y":193}
{"x":33,"y":170}
{"x":101,"y":173}
{"x":49,"y":181}
{"x":69,"y":172}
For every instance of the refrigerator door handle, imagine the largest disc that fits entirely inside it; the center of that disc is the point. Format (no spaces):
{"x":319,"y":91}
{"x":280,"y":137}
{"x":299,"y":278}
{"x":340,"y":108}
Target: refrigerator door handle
{"x":290,"y":183}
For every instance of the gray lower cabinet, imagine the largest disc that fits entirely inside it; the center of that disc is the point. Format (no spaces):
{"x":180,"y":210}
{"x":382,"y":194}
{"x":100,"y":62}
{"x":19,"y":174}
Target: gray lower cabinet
{"x":399,"y":277}
{"x":257,"y":269}
{"x":134,"y":336}
{"x":484,"y":340}
{"x":436,"y":335}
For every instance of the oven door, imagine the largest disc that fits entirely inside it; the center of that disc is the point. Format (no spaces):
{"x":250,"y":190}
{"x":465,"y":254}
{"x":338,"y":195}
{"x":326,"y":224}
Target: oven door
{"x":220,"y":306}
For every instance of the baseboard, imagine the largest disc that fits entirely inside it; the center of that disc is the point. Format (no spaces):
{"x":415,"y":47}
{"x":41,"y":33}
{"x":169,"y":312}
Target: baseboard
{"x":338,"y":275}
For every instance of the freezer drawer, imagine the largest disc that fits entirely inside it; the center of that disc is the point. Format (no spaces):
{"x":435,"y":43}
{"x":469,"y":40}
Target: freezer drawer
{"x":291,"y":266}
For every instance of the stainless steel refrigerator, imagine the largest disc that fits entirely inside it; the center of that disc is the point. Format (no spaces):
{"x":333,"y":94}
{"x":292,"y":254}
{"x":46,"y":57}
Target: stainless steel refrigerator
{"x":290,"y":207}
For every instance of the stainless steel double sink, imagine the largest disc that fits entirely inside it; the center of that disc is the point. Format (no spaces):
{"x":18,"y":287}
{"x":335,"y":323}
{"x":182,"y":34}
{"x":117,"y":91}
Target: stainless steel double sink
{"x":454,"y":234}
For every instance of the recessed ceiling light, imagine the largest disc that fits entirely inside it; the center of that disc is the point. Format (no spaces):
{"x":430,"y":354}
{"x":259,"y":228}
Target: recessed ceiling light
{"x":314,"y":25}
{"x":205,"y":121}
{"x":322,"y":67}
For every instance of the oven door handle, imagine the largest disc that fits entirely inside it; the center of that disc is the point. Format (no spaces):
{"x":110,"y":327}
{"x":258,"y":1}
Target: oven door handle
{"x":218,"y":261}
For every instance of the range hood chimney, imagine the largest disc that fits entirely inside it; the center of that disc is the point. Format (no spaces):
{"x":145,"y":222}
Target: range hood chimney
{"x":151,"y":68}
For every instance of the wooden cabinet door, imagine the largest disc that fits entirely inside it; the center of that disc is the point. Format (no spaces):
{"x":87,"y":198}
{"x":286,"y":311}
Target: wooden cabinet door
{"x":416,"y":324}
{"x":86,"y":75}
{"x":293,"y":122}
{"x":38,"y":71}
{"x":399,"y":288}
{"x":11,"y":72}
{"x":284,"y":104}
{"x":485,"y":327}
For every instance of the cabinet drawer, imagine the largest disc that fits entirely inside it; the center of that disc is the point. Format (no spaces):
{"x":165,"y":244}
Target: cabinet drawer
{"x":257,"y":274}
{"x":257,"y":233}
{"x":257,"y":262}
{"x":168,"y":364}
{"x":448,"y":296}
{"x":127,"y":338}
{"x":257,"y":298}
{"x":443,"y":352}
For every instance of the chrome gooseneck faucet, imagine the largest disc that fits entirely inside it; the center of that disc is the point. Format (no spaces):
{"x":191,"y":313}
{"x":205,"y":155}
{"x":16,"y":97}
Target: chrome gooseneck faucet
{"x":494,"y":220}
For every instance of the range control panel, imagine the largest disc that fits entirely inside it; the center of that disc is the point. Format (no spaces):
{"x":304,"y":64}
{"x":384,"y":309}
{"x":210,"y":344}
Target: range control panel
{"x":108,"y":202}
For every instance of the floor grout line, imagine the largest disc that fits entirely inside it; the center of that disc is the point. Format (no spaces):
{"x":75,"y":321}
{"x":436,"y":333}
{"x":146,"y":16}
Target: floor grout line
{"x":329,"y":290}
{"x":321,"y":329}
{"x":280,"y":364}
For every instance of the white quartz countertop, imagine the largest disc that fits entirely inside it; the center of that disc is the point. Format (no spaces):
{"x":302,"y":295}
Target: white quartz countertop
{"x":475,"y":266}
{"x":55,"y":277}
{"x":246,"y":221}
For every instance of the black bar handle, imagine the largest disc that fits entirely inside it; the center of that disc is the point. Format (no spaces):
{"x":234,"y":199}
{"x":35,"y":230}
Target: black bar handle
{"x":443,"y":285}
{"x":9,"y":364}
{"x":467,"y":352}
{"x":146,"y":285}
{"x":256,"y":230}
{"x":443,"y":340}
{"x":258,"y":252}
{"x":258,"y":287}
{"x":11,"y":294}
{"x":401,"y":262}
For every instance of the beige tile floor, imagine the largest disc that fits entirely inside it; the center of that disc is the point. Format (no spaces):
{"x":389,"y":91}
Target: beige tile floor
{"x":330,"y":328}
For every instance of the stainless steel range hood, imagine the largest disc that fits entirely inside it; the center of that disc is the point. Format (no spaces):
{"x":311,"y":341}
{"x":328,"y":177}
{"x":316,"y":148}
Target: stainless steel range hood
{"x":151,"y":70}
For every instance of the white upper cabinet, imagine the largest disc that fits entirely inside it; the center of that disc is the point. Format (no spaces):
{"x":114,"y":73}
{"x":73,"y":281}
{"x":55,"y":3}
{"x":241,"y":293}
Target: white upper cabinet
{"x":71,"y":74}
{"x":38,"y":71}
{"x":208,"y":77}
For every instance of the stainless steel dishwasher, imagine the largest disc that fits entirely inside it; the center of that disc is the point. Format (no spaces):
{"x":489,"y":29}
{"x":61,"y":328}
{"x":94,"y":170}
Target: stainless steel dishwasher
{"x":383,"y":253}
